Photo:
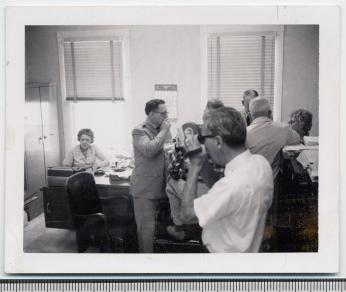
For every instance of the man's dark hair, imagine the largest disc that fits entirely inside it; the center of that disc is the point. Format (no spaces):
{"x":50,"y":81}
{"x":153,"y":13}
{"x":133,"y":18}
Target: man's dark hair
{"x":152,"y":105}
{"x":214,"y":104}
{"x":229,"y":124}
{"x":251,"y":93}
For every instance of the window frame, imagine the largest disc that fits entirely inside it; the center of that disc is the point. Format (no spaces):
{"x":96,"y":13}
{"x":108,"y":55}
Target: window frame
{"x":278,"y":30}
{"x":94,"y":35}
{"x":66,"y":107}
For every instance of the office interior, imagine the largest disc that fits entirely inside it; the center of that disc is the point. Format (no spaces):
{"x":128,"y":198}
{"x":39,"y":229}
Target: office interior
{"x":153,"y":56}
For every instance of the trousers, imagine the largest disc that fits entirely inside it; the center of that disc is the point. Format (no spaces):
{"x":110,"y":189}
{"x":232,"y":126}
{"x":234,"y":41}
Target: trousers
{"x":145,"y":211}
{"x":174,"y":190}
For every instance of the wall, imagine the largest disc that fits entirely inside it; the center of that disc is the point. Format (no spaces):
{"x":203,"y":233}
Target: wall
{"x":42,"y":63}
{"x":157,"y":55}
{"x":300,"y":71}
{"x":42,"y":66}
{"x":172,"y":54}
{"x":166,"y":55}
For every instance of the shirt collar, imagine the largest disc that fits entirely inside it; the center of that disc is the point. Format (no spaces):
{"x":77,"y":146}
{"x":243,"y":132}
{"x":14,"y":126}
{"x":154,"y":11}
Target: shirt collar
{"x":261,"y":119}
{"x":150,"y":125}
{"x":237,"y":161}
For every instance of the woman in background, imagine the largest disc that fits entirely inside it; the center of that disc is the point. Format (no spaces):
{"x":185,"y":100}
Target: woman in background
{"x":301,"y":122}
{"x":85,"y":154}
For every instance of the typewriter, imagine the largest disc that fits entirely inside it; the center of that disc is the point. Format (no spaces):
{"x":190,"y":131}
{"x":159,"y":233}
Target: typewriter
{"x":58,"y":175}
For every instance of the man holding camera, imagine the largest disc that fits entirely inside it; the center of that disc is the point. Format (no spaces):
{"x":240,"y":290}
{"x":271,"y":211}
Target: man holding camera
{"x":232,"y":213}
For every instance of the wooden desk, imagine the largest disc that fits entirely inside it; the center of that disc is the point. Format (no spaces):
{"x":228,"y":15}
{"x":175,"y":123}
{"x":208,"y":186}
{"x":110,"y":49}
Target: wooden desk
{"x":297,"y":223}
{"x":56,"y":206}
{"x":296,"y":179}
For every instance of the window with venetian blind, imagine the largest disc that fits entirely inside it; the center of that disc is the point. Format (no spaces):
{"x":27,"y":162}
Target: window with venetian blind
{"x":93,"y":69}
{"x":238,"y":62}
{"x":93,"y":66}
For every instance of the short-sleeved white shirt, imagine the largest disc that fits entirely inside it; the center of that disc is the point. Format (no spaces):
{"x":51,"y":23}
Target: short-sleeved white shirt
{"x":233,"y":212}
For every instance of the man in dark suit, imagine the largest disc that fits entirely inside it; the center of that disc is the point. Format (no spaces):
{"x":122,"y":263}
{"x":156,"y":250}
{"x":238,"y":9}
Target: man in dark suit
{"x":148,"y":177}
{"x":247,"y":96}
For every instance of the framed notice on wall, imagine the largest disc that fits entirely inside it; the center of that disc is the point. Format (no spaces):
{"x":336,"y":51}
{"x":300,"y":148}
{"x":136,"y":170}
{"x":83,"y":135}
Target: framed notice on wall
{"x":169,"y":93}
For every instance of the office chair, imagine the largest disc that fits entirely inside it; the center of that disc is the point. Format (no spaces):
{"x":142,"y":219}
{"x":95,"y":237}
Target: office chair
{"x":89,"y":219}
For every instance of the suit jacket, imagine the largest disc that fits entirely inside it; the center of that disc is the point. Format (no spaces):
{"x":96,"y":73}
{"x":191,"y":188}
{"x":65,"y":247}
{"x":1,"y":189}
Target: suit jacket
{"x":246,"y":116}
{"x":148,"y":177}
{"x":268,"y":138}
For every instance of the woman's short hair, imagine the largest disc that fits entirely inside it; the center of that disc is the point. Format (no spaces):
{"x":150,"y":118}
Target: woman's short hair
{"x":152,"y":105}
{"x":87,"y":132}
{"x":304,"y":116}
{"x":229,"y":124}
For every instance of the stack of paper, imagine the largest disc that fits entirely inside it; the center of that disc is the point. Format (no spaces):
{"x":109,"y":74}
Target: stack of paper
{"x":308,"y":157}
{"x":310,"y":141}
{"x":309,"y":160}
{"x":298,"y":148}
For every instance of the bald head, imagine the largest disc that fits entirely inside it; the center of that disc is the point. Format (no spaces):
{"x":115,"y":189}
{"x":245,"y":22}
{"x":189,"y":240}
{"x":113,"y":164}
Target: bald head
{"x":259,"y":107}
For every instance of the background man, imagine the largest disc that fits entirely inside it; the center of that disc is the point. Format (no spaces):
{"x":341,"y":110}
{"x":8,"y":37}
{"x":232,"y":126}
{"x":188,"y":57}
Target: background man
{"x":148,"y":177}
{"x":233,"y":212}
{"x":247,"y":96}
{"x":266,"y":137}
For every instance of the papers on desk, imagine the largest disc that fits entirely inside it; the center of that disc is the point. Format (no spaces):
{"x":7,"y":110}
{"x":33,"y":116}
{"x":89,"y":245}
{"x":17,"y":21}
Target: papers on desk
{"x":310,"y":141}
{"x":121,"y":163}
{"x":299,"y":148}
{"x":119,"y":176}
{"x":308,"y":157}
{"x":309,"y":160}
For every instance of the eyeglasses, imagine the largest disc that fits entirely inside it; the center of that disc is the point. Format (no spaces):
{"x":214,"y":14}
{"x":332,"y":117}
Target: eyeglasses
{"x":164,"y":114}
{"x":201,"y":138}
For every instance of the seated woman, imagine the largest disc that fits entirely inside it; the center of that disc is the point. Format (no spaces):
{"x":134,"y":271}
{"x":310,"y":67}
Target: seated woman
{"x":301,"y":122}
{"x":85,"y":154}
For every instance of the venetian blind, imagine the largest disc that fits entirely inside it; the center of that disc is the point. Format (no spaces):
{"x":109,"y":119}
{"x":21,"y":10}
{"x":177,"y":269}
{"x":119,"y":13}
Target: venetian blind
{"x":93,"y":70}
{"x":237,"y":63}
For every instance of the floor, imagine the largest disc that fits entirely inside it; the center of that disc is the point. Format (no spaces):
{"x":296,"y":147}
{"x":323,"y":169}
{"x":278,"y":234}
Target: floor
{"x":38,"y":238}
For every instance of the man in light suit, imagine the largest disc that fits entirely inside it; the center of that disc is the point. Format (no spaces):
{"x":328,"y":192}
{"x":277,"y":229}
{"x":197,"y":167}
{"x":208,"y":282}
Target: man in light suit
{"x":148,"y":177}
{"x":266,"y":137}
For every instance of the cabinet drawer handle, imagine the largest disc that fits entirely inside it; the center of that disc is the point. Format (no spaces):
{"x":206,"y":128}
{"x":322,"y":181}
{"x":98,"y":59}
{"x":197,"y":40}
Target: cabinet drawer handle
{"x":48,"y":208}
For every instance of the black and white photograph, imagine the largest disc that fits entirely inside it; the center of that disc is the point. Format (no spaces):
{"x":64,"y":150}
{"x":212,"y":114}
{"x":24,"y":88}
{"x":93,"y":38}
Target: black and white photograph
{"x":148,"y":140}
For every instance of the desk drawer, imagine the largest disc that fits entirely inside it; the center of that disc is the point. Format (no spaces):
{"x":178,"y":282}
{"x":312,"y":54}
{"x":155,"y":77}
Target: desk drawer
{"x":56,"y":205}
{"x":112,"y":190}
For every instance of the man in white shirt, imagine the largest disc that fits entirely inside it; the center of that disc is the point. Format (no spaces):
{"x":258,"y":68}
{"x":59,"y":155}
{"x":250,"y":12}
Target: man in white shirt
{"x":233,"y":212}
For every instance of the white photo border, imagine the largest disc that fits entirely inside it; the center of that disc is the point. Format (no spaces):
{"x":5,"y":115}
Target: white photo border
{"x":324,"y":261}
